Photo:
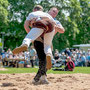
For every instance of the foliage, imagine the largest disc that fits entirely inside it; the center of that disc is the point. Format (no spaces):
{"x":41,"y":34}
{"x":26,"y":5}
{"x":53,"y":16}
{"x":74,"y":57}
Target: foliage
{"x":19,"y":9}
{"x":84,"y":24}
{"x":3,"y":15}
{"x":74,"y":16}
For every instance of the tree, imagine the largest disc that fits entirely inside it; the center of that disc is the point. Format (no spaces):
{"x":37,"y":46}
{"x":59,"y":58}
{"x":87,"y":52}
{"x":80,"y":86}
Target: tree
{"x":73,"y":14}
{"x":18,"y":11}
{"x":83,"y":24}
{"x":3,"y":15}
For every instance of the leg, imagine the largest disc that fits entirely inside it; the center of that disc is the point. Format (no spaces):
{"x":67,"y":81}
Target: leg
{"x":48,"y":37}
{"x":31,"y":36}
{"x":42,"y":59}
{"x":32,"y":64}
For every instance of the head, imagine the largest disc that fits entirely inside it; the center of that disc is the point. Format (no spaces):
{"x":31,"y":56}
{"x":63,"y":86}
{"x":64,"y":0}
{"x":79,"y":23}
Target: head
{"x":63,"y":53}
{"x":53,"y":12}
{"x":68,"y":58}
{"x":67,"y":49}
{"x":56,"y":54}
{"x":38,"y":8}
{"x":88,"y":50}
{"x":74,"y":52}
{"x":9,"y":49}
{"x":3,"y":51}
{"x":56,"y":51}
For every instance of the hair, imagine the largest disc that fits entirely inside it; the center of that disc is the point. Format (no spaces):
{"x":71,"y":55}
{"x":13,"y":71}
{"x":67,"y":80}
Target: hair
{"x":38,"y":7}
{"x":54,"y":7}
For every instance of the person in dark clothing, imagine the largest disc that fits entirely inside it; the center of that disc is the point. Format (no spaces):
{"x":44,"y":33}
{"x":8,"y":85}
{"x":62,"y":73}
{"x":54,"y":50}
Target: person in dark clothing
{"x":39,"y":46}
{"x":67,"y":51}
{"x":42,"y":60}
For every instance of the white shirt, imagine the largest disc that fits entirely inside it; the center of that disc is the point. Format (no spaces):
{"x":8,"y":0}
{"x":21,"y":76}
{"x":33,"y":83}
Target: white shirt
{"x":38,"y":14}
{"x":27,"y":55}
{"x":58,"y":22}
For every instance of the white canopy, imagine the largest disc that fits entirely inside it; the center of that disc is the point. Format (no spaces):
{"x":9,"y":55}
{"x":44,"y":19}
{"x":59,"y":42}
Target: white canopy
{"x":85,"y":47}
{"x":82,"y":45}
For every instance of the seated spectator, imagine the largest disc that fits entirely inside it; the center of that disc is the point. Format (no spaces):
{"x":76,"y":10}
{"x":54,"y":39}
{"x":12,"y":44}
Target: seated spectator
{"x":82,"y":60}
{"x":88,"y":52}
{"x":63,"y":58}
{"x":11,"y":62}
{"x":56,"y":51}
{"x":67,"y":51}
{"x":69,"y":65}
{"x":56,"y":61}
{"x":74,"y":56}
{"x":88,"y":60}
{"x":3,"y":57}
{"x":9,"y":51}
{"x":71,"y":52}
{"x":56,"y":57}
{"x":1,"y":61}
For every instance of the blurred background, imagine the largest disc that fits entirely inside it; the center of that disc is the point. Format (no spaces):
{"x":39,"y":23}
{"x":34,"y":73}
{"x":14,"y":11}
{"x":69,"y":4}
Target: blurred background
{"x":74,"y":15}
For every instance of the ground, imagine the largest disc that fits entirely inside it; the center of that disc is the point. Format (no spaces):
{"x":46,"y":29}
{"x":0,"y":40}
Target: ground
{"x":57,"y":82}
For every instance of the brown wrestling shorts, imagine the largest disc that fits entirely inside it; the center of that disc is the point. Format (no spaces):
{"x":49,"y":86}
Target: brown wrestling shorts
{"x":44,"y":23}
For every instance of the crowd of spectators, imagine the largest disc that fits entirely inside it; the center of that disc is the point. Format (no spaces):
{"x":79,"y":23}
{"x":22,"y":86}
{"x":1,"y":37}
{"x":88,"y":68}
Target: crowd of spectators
{"x":29,"y":58}
{"x":79,"y":57}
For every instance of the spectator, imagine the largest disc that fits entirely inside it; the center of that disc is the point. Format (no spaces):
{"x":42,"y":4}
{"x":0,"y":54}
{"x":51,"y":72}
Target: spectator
{"x":67,"y":51}
{"x":83,"y":60}
{"x":63,"y":58}
{"x":56,"y":51}
{"x":32,"y":55}
{"x":3,"y":57}
{"x":88,"y":60}
{"x":11,"y":62}
{"x":74,"y":56}
{"x":88,"y":52}
{"x":27,"y":57}
{"x":0,"y":61}
{"x":69,"y":65}
{"x":9,"y":51}
{"x":56,"y":57}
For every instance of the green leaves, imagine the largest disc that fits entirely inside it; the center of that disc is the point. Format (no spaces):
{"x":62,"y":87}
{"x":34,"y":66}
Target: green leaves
{"x":74,"y":15}
{"x":4,"y":3}
{"x":3,"y":15}
{"x":75,"y":18}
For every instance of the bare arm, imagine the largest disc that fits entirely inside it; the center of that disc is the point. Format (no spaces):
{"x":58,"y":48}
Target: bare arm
{"x":59,"y":28}
{"x":26,"y":26}
{"x":29,"y":23}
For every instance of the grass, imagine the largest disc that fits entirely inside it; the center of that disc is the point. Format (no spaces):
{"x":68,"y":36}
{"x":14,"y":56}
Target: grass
{"x":85,"y":70}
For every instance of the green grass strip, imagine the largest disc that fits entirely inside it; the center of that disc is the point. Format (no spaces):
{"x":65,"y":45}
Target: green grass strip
{"x":85,"y":70}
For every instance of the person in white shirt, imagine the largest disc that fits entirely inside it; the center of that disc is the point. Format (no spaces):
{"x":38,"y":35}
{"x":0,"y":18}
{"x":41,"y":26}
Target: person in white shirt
{"x":36,"y":32}
{"x":48,"y":40}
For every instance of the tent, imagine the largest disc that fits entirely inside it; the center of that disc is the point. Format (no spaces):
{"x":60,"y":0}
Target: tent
{"x":85,"y":47}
